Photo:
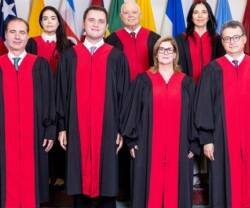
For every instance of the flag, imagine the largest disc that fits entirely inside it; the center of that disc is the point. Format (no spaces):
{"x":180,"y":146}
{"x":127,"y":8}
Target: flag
{"x":173,"y":21}
{"x":147,"y":18}
{"x":246,"y":23}
{"x":223,"y":13}
{"x":67,"y":10}
{"x":97,"y":3}
{"x":36,"y":8}
{"x":7,"y":11}
{"x":114,"y":21}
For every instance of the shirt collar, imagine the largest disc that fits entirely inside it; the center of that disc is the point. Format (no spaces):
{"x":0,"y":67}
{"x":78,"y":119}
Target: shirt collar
{"x":21,"y":56}
{"x":49,"y":38}
{"x":135,"y":31}
{"x":239,"y":59}
{"x":88,"y":44}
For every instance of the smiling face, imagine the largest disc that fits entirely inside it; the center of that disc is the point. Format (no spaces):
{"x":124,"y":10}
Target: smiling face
{"x":200,"y":16}
{"x":16,"y":36}
{"x":95,"y":25}
{"x":49,"y":21}
{"x":130,"y":15}
{"x":233,"y":41}
{"x":166,"y":53}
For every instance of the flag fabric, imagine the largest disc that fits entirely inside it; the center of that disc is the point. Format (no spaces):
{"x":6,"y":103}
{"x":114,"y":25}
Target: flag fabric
{"x":173,"y":21}
{"x":7,"y":11}
{"x":68,"y":12}
{"x":147,"y":17}
{"x":246,"y":23}
{"x":37,"y":6}
{"x":114,"y":21}
{"x":97,"y":2}
{"x":223,"y":13}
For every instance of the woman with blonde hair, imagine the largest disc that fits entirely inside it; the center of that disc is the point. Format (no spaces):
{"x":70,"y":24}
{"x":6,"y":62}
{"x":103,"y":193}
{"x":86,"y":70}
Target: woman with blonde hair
{"x":157,"y":121}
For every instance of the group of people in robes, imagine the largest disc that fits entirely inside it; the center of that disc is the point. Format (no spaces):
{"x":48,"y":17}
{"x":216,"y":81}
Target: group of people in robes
{"x":164,"y":99}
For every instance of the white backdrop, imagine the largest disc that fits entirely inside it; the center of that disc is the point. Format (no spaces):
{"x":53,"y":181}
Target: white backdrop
{"x":159,"y":6}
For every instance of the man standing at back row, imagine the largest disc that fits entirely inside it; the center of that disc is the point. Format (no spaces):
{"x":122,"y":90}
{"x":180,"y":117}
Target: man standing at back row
{"x":92,"y":81}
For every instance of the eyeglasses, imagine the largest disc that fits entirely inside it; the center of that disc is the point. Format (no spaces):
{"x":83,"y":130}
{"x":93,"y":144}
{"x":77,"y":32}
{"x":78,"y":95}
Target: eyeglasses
{"x":234,"y":38}
{"x":166,"y":51}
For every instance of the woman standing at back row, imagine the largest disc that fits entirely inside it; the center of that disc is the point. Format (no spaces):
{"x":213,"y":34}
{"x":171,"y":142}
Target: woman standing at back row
{"x":200,"y":44}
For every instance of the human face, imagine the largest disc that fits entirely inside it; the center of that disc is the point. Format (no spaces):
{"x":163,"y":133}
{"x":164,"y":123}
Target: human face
{"x":130,"y":15}
{"x":200,"y":16}
{"x":166,"y":53}
{"x":95,"y":25}
{"x":49,"y":22}
{"x":16,"y":36}
{"x":233,"y":41}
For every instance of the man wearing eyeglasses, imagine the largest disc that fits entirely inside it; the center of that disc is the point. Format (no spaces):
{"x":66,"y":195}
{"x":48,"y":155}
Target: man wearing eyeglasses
{"x":222,"y":117}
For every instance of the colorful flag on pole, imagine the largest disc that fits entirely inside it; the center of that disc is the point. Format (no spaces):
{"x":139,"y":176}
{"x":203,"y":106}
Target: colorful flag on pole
{"x":7,"y":11}
{"x":246,"y":23}
{"x":37,"y":6}
{"x":147,"y":17}
{"x":114,"y":15}
{"x":223,"y":13}
{"x":67,"y":10}
{"x":173,"y":21}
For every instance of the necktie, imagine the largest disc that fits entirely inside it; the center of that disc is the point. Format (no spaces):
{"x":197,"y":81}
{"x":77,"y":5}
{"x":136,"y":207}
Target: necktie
{"x":132,"y":35}
{"x":16,"y":61}
{"x":235,"y":63}
{"x":92,"y":49}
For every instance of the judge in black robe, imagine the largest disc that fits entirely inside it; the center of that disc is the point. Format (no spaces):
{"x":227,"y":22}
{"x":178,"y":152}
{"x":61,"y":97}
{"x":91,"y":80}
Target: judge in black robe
{"x":91,"y":85}
{"x":157,"y":119}
{"x":27,"y":121}
{"x":199,"y":44}
{"x":222,"y":118}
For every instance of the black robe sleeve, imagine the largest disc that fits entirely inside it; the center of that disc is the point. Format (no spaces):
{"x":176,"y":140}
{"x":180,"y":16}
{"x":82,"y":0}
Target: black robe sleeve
{"x":204,"y":105}
{"x":48,"y":95}
{"x":218,"y":49}
{"x":113,"y":40}
{"x":31,"y":46}
{"x":153,"y":37}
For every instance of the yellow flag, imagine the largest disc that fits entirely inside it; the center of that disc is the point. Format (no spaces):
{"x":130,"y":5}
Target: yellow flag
{"x":147,"y":17}
{"x":36,"y":7}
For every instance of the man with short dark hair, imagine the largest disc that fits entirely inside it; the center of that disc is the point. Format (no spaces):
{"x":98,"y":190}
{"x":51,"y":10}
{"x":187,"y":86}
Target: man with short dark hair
{"x":92,"y":81}
{"x":222,"y":118}
{"x":27,"y":121}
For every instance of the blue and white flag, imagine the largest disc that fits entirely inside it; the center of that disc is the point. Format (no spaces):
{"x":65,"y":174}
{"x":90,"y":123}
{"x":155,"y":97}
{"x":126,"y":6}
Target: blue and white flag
{"x":223,"y":13}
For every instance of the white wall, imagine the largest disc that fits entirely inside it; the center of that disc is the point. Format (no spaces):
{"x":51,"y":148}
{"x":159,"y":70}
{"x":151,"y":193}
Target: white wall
{"x":237,"y":8}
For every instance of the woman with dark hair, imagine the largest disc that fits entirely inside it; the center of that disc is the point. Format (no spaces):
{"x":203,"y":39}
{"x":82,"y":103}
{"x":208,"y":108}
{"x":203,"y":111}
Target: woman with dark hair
{"x":157,"y":120}
{"x":53,"y":40}
{"x":200,"y":44}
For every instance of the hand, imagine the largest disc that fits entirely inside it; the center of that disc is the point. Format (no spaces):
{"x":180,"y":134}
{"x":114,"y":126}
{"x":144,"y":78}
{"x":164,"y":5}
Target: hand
{"x":209,"y":151}
{"x":62,"y":138}
{"x":119,"y":142}
{"x":47,"y":144}
{"x":190,"y":155}
{"x":132,"y":151}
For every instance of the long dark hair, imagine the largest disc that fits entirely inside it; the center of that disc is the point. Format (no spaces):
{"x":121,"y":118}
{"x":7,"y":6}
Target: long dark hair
{"x":211,"y":24}
{"x":62,"y":42}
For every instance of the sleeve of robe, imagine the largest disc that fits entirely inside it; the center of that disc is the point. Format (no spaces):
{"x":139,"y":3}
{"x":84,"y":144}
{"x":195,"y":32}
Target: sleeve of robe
{"x":113,"y":40}
{"x":31,"y":46}
{"x":152,"y":39}
{"x":219,"y":50}
{"x":48,"y":93}
{"x":204,"y":105}
{"x":131,"y":114}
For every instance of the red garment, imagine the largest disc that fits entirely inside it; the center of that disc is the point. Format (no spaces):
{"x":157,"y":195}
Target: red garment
{"x":201,"y":52}
{"x":19,"y":132}
{"x":236,"y":86}
{"x":3,"y":49}
{"x":164,"y":170}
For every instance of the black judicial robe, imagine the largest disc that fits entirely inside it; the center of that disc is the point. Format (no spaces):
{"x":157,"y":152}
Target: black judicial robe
{"x":27,"y":116}
{"x":139,"y":51}
{"x":222,"y":117}
{"x":90,"y":94}
{"x":185,"y":50}
{"x":143,"y":122}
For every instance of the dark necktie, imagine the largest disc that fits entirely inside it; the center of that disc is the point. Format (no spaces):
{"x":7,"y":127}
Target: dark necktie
{"x":16,"y":61}
{"x":235,"y":63}
{"x":132,"y":35}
